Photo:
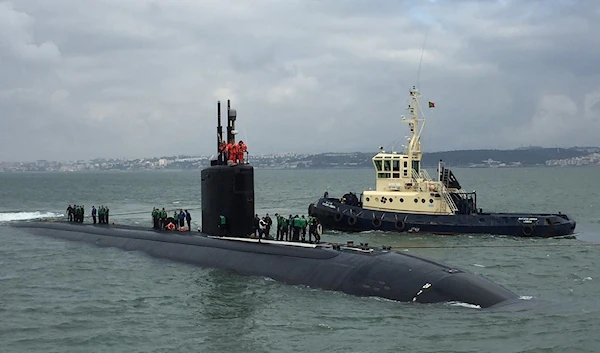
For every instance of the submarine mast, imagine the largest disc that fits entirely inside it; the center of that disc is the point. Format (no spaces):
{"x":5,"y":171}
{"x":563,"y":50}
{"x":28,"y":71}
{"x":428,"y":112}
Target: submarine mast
{"x":227,"y":187}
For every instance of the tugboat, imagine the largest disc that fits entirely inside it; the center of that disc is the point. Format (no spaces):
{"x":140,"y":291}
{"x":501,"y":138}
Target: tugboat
{"x":407,"y":199}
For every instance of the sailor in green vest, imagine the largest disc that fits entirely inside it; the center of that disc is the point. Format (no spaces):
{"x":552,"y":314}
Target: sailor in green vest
{"x":303,"y":227}
{"x":296,"y":228}
{"x":155,"y":218}
{"x":175,"y":220}
{"x":223,"y":224}
{"x":162,"y":219}
{"x":101,"y":214}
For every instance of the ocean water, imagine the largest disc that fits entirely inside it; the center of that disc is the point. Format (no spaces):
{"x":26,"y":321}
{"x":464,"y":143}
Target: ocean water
{"x":60,"y":296}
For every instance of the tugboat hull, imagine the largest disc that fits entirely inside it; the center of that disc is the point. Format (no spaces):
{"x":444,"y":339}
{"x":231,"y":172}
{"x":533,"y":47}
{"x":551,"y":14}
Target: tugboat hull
{"x":333,"y":214}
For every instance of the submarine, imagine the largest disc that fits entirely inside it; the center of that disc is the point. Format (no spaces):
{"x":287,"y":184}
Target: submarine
{"x":407,"y":200}
{"x":226,"y":241}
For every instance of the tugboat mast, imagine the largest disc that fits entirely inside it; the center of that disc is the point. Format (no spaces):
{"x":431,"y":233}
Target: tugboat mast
{"x":413,"y":149}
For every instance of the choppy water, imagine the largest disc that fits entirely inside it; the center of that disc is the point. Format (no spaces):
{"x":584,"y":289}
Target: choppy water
{"x":59,"y":296}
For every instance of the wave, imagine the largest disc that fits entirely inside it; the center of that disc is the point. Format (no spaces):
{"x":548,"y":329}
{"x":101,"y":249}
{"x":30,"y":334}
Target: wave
{"x":22,"y":216}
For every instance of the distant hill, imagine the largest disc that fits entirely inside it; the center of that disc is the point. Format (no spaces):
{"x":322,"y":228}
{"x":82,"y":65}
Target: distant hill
{"x":524,"y":156}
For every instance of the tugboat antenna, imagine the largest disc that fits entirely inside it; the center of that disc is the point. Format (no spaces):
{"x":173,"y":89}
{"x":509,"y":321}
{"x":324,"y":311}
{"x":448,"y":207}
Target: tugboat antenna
{"x":421,"y":60}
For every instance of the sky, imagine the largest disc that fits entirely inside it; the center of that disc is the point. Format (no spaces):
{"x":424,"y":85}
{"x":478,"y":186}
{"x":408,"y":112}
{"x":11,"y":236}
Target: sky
{"x":136,"y":78}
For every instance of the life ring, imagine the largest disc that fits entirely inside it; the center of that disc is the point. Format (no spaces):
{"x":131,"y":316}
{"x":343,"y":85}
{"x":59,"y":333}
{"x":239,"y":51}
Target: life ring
{"x":170,"y":226}
{"x":319,"y":229}
{"x":338,"y":216}
{"x":399,"y":225}
{"x":527,"y":231}
{"x":352,"y":220}
{"x":376,"y":222}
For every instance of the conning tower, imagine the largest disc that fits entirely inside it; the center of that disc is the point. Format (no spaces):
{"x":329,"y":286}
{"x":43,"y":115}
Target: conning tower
{"x":227,"y":188}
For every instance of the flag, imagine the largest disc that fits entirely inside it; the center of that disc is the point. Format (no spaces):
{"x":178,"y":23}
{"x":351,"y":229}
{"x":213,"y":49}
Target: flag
{"x":431,"y":105}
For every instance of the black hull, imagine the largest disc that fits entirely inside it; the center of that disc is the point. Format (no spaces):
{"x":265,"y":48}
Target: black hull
{"x":380,"y":273}
{"x":338,"y":216}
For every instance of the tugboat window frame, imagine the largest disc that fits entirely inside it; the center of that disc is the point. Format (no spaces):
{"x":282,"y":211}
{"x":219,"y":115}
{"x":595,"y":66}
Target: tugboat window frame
{"x":378,"y":165}
{"x":387,"y":165}
{"x":384,"y":175}
{"x":396,"y":165}
{"x":396,"y":175}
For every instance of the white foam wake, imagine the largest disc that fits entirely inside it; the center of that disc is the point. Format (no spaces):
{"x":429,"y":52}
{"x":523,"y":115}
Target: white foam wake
{"x":22,"y":216}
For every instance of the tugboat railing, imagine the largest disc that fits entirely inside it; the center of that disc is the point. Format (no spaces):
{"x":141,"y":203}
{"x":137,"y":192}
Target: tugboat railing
{"x":449,"y":200}
{"x":425,"y":175}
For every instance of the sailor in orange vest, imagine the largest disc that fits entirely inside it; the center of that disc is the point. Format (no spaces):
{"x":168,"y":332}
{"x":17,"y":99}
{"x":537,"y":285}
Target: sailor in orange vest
{"x":223,"y":148}
{"x":232,"y":147}
{"x":241,"y":149}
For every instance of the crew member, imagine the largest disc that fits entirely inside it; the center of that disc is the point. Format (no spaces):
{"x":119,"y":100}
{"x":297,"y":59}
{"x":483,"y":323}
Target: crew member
{"x":223,"y":224}
{"x":278,"y":233}
{"x":181,"y":217}
{"x":162,"y":219}
{"x":241,"y":149}
{"x":175,"y":219}
{"x":188,"y":218}
{"x":268,"y":224}
{"x":94,"y":214}
{"x":101,"y":214}
{"x":106,"y":214}
{"x":233,"y":152}
{"x":290,"y":227}
{"x":303,"y":227}
{"x":154,"y":218}
{"x":70,"y":213}
{"x":223,"y":149}
{"x":255,"y":224}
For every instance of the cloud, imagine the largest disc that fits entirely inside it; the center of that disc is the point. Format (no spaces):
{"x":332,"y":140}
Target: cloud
{"x":135,"y":78}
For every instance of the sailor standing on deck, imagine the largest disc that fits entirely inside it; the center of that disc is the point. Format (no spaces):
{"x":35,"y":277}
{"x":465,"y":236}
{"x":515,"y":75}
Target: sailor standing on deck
{"x":106,"y":214}
{"x":155,"y":218}
{"x":70,"y":213}
{"x":269,"y":223}
{"x":162,"y":219}
{"x":94,"y":214}
{"x":278,"y":219}
{"x":188,"y":218}
{"x":175,"y":221}
{"x":181,"y":217}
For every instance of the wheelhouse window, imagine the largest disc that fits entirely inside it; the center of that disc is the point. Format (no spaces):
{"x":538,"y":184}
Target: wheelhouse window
{"x":384,"y":175}
{"x":387,"y":165}
{"x":378,"y":165}
{"x":396,"y":166}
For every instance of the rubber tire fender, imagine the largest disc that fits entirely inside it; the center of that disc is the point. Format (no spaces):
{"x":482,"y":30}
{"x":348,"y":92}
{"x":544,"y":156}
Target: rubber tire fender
{"x":376,"y":222}
{"x":338,"y":216}
{"x":399,"y":225}
{"x":352,"y":220}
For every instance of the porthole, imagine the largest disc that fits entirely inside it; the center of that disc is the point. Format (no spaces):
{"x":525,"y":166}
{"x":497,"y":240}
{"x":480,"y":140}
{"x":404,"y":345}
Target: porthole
{"x":401,"y":200}
{"x":430,"y":200}
{"x":368,"y":199}
{"x":416,"y":200}
{"x":377,"y":199}
{"x":423,"y":200}
{"x":390,"y":200}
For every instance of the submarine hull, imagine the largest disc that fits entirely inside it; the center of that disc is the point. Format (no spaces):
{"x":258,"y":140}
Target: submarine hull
{"x":333,"y":214}
{"x":355,"y":271}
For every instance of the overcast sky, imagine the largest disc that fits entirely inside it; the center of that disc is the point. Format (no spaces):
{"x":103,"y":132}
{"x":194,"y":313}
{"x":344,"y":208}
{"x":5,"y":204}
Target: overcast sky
{"x":136,"y":78}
